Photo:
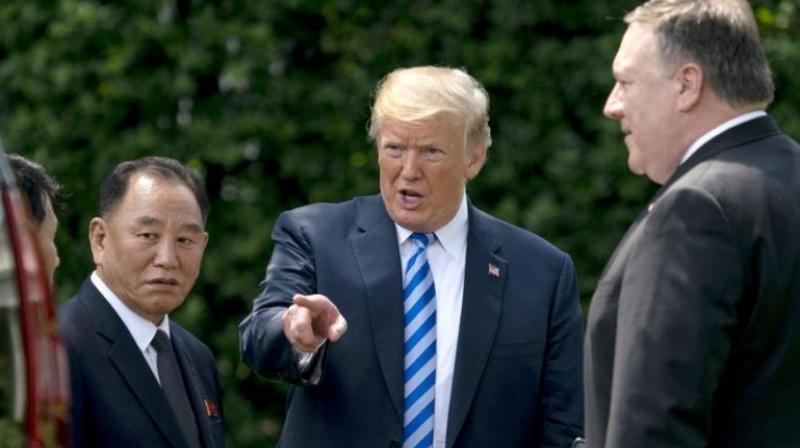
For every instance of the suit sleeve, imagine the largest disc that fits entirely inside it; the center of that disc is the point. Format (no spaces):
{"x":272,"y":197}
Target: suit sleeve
{"x":264,"y":347}
{"x":561,"y":404}
{"x":678,"y":303}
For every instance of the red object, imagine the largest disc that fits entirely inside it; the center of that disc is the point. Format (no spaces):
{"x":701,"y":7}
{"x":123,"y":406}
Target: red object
{"x":47,"y":388}
{"x":211,"y":408}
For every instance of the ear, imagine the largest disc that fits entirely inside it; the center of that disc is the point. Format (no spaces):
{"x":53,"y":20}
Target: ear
{"x":204,"y":241}
{"x":97,"y":238}
{"x":690,"y":84}
{"x":476,"y":159}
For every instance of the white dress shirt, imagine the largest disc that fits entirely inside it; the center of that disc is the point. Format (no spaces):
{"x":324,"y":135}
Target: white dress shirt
{"x":447,"y":258}
{"x":736,"y":121}
{"x":141,"y":329}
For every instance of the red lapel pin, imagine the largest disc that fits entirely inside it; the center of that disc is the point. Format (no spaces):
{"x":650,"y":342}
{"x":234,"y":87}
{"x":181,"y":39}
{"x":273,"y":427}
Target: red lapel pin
{"x":211,"y":408}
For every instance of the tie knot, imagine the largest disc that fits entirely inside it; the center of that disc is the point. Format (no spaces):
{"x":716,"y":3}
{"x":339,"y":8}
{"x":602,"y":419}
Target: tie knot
{"x":423,"y":239}
{"x":161,"y":342}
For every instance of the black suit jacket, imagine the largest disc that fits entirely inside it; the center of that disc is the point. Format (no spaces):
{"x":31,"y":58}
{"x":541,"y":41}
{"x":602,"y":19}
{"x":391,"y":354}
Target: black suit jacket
{"x":517,"y":373}
{"x":693,"y":336}
{"x":116,"y":400}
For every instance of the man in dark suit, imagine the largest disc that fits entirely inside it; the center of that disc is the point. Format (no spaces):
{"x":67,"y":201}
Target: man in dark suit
{"x":139,"y":379}
{"x":461,"y":330}
{"x":693,"y":335}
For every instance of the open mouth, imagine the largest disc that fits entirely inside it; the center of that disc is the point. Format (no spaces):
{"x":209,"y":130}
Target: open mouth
{"x":410,"y":194}
{"x":410,"y":198}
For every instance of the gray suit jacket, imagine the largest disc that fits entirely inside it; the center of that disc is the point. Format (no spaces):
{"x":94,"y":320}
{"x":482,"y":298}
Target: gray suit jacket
{"x":693,"y":336}
{"x":517,"y":373}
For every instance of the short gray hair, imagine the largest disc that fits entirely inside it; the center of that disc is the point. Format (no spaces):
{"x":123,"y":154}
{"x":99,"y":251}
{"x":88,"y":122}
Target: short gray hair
{"x":721,"y":36}
{"x":417,"y":94}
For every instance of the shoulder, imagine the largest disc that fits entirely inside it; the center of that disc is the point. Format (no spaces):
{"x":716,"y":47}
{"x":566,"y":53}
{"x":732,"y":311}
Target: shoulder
{"x":74,"y":319}
{"x":743,"y":181}
{"x":746,"y":168}
{"x":310,"y":214}
{"x":326,"y":219}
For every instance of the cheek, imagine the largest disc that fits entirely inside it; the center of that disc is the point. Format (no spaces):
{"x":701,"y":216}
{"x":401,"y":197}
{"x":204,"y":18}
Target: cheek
{"x":387,"y":168}
{"x":191,"y":262}
{"x":451,"y":177}
{"x":387,"y":176}
{"x":447,"y":186}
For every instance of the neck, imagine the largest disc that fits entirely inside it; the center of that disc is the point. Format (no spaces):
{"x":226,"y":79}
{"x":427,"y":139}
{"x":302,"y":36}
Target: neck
{"x":710,"y":114}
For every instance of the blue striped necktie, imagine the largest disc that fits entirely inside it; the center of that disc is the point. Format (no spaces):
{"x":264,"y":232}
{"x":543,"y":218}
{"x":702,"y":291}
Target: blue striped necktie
{"x":419,"y":301}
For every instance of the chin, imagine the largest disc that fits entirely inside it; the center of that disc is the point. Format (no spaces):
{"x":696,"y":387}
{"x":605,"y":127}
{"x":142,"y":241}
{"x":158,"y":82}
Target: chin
{"x":635,"y":167}
{"x":403,"y":218}
{"x":167,"y":303}
{"x":408,"y":224}
{"x":413,"y":225}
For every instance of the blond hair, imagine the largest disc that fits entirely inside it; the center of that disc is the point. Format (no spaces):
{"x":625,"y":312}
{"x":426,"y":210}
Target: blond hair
{"x":418,"y":94}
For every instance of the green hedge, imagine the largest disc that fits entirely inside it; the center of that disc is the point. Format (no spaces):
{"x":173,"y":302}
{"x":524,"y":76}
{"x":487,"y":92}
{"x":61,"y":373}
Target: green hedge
{"x":269,"y":101}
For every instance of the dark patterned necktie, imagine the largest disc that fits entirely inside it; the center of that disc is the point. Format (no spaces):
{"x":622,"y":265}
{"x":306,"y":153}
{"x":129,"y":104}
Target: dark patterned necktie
{"x":172,"y":383}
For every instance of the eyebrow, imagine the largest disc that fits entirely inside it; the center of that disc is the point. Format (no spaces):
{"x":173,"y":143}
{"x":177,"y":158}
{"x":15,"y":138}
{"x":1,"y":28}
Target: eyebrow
{"x":150,"y":220}
{"x":147,"y":220}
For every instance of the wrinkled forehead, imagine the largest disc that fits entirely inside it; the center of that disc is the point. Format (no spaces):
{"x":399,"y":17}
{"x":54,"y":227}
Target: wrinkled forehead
{"x":437,"y":128}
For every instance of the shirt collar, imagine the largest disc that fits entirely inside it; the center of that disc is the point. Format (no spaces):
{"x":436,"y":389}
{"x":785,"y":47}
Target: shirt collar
{"x":452,"y":236}
{"x":140,"y":328}
{"x":705,"y":138}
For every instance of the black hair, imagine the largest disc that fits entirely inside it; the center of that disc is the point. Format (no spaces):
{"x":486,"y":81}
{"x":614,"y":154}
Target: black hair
{"x":115,"y":184}
{"x":35,"y":184}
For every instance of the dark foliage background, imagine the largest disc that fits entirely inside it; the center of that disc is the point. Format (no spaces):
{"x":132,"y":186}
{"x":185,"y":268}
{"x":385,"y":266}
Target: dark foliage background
{"x":268,"y":100}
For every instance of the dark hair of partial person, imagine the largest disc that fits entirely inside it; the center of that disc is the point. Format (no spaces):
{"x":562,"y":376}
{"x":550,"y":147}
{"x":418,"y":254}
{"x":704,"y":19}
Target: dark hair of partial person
{"x":721,"y":36}
{"x":35,"y":183}
{"x":115,"y":184}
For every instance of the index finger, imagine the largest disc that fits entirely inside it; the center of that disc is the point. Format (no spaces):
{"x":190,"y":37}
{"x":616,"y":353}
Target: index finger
{"x":316,"y":303}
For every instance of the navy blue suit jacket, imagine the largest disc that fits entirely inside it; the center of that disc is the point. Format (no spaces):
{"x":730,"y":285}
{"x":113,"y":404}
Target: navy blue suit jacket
{"x":116,"y":400}
{"x":518,"y":362}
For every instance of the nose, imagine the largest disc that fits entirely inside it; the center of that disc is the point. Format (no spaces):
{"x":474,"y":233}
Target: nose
{"x":411,"y":162}
{"x":166,"y":255}
{"x":613,"y":106}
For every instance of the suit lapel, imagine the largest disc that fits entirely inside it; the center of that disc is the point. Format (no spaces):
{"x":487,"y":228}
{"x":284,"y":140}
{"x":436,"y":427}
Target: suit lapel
{"x":484,"y":281}
{"x":618,"y":256}
{"x":378,"y":257}
{"x":128,"y":359}
{"x":194,"y":388}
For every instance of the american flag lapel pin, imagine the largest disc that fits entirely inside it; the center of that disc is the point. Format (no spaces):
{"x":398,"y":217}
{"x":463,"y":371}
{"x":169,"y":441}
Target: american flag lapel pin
{"x":494,"y":271}
{"x":211,"y":408}
{"x":650,"y":207}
